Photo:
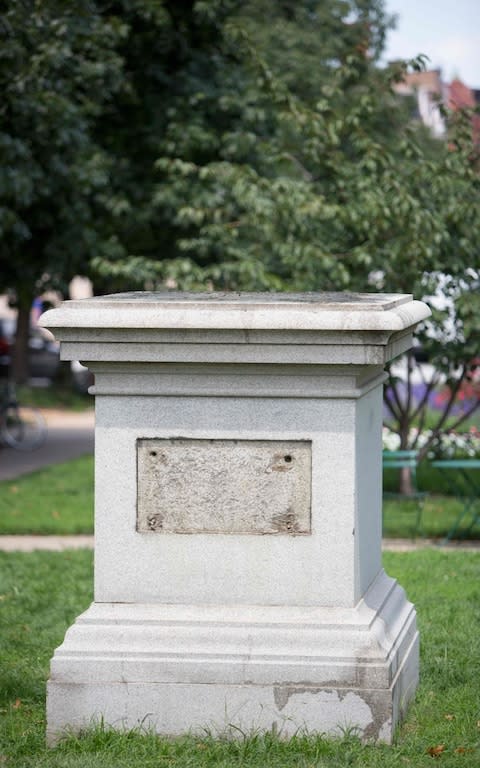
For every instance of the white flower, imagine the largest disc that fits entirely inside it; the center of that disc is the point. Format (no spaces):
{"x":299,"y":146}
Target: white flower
{"x":448,"y":445}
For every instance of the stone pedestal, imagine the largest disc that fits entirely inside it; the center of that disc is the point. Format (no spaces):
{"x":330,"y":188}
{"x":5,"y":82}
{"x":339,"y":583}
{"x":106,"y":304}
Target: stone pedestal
{"x":238,"y":577}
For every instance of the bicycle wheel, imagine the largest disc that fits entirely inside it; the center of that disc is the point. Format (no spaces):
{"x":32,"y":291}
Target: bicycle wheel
{"x":23,"y":428}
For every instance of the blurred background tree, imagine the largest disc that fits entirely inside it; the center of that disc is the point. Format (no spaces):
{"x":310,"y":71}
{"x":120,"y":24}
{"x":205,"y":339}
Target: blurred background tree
{"x":219,"y":144}
{"x":59,"y":68}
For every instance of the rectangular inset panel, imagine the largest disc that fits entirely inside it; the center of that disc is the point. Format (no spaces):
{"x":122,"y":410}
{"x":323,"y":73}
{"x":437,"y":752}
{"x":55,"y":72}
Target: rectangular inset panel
{"x":223,"y":486}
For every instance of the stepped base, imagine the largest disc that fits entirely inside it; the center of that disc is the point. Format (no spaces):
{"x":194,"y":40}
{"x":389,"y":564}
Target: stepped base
{"x":179,"y":668}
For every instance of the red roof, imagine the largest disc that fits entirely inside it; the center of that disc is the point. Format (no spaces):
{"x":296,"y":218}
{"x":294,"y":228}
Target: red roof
{"x":460,"y":96}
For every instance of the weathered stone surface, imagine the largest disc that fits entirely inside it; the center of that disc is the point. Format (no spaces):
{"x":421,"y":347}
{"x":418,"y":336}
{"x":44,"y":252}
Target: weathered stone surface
{"x":223,"y":486}
{"x":315,"y":328}
{"x":182,"y":668}
{"x":233,"y":586}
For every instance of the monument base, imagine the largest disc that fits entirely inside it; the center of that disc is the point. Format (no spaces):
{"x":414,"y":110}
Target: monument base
{"x":249,"y":668}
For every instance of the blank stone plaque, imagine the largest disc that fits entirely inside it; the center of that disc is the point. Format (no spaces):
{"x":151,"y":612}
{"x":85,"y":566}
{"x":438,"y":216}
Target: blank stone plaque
{"x":223,"y":486}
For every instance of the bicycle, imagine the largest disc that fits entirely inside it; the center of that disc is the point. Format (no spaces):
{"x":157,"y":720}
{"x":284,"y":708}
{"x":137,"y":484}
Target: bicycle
{"x":21,"y":426}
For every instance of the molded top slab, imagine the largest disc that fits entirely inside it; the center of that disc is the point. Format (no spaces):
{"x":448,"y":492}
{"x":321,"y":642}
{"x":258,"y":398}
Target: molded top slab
{"x":247,"y":311}
{"x":364,"y":301}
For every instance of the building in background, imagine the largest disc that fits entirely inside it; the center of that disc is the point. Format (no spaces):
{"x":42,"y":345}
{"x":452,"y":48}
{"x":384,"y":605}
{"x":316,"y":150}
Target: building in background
{"x":430,"y":91}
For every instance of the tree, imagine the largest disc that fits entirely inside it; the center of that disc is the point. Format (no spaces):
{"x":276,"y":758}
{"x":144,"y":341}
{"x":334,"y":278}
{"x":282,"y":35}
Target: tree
{"x":59,"y":68}
{"x":329,"y":185}
{"x":88,"y":94}
{"x":183,"y":81}
{"x":240,"y":139}
{"x":236,"y":145}
{"x":450,"y":282}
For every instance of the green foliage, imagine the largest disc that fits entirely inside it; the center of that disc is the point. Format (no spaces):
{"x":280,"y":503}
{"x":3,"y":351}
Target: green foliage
{"x":254,"y":184}
{"x":241,"y":145}
{"x":59,"y":69}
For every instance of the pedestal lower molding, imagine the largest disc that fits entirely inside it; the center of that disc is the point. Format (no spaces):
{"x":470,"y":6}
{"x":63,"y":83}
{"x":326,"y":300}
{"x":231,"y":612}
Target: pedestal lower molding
{"x":249,"y":668}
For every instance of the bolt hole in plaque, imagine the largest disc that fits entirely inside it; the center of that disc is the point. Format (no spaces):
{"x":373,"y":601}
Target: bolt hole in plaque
{"x":224,"y":486}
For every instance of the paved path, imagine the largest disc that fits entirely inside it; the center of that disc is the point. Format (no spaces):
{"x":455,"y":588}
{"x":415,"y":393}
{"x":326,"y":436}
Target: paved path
{"x":29,"y":543}
{"x":70,"y":435}
{"x":409,"y":545}
{"x":26,"y":543}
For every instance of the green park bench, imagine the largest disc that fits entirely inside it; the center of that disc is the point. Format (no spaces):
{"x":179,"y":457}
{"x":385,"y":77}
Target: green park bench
{"x":392,"y":463}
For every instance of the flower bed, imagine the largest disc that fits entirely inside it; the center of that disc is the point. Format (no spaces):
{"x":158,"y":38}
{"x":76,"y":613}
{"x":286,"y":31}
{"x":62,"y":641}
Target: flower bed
{"x":451,"y":445}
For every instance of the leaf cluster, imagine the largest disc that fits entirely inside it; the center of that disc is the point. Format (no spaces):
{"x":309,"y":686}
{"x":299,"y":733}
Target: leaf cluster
{"x":59,"y":68}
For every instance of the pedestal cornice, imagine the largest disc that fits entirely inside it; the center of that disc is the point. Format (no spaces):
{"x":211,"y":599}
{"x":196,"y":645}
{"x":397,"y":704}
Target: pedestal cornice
{"x":248,"y":311}
{"x":359,"y":329}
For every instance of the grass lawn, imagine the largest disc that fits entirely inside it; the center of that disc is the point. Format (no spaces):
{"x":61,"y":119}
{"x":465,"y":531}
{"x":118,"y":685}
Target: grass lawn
{"x":55,"y":396}
{"x":42,"y":592}
{"x":55,"y":500}
{"x":438,"y":515}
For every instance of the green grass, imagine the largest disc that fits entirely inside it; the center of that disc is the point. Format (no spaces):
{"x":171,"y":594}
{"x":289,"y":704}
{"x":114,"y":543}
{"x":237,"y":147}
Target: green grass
{"x":438,"y":515}
{"x":56,"y":500}
{"x":56,"y":395}
{"x":42,"y":592}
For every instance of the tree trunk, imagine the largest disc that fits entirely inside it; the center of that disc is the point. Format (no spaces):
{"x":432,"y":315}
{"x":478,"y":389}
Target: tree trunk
{"x":20,"y":363}
{"x":406,"y":481}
